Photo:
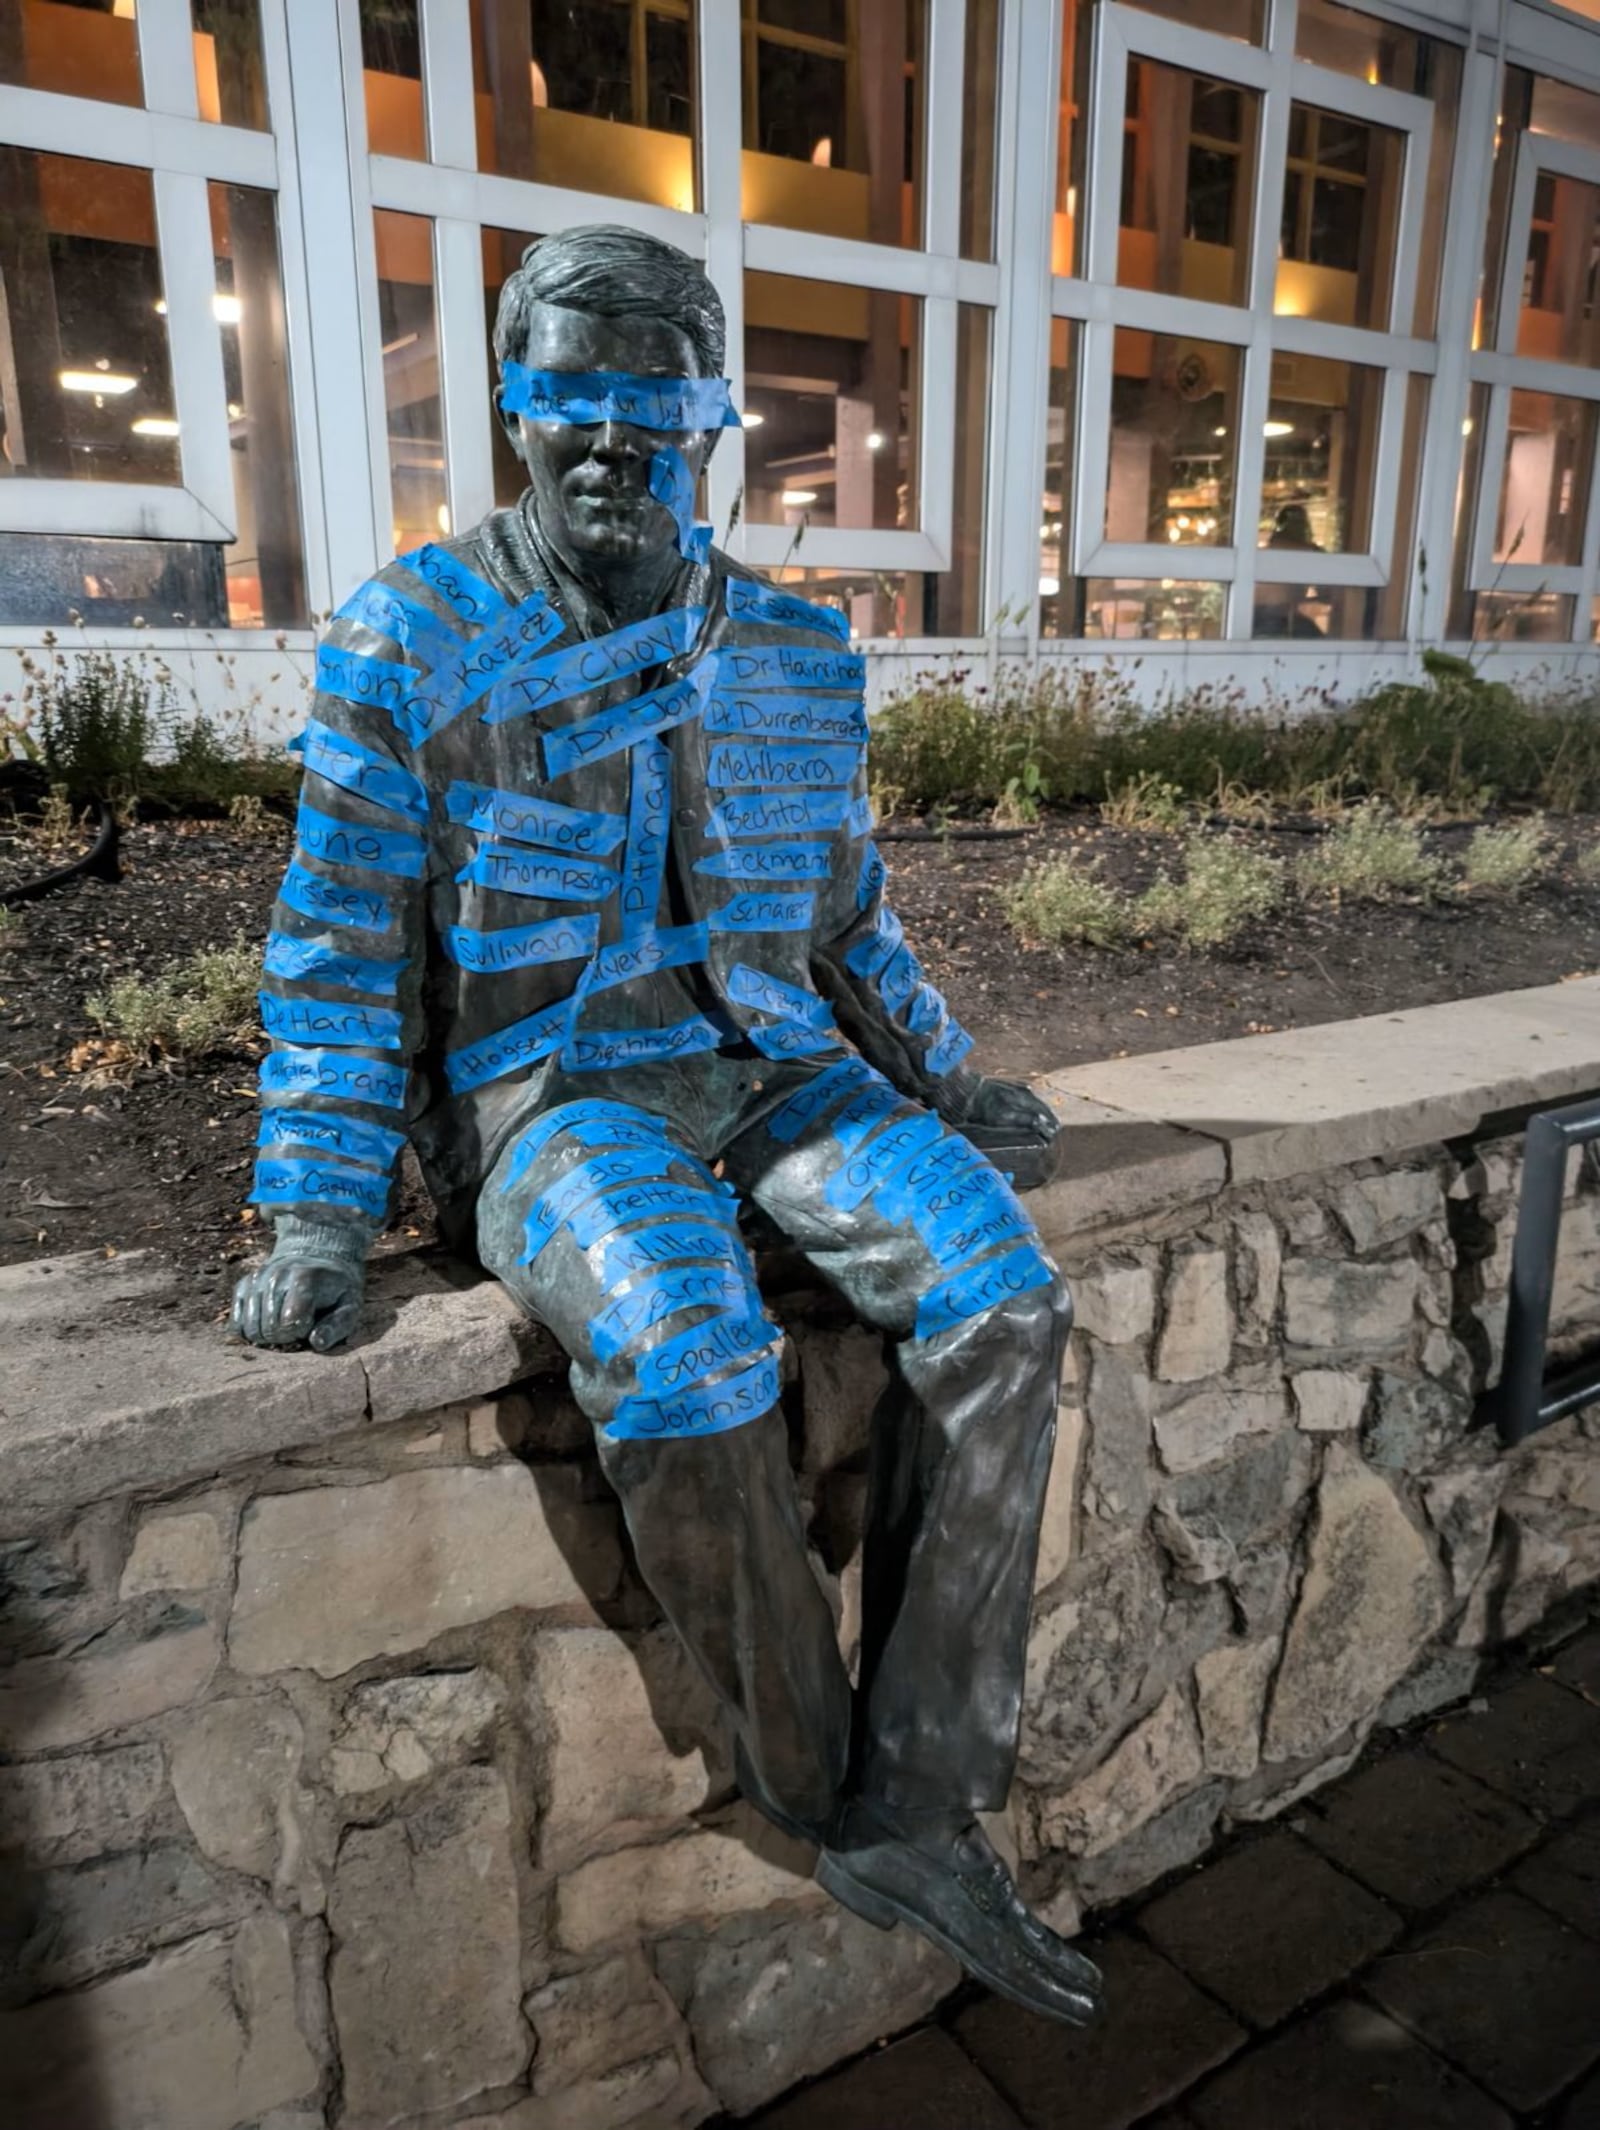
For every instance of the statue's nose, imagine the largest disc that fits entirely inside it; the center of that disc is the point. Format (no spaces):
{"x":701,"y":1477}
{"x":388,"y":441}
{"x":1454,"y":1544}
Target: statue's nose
{"x":616,"y":440}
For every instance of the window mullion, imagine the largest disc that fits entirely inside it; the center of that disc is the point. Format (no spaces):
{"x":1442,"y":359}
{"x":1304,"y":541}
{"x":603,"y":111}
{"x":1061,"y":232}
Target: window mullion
{"x":199,"y":388}
{"x":166,"y":58}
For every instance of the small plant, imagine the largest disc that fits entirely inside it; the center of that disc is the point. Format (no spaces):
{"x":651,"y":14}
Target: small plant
{"x":1018,"y":805}
{"x":1064,"y":901}
{"x":1147,"y":801}
{"x":249,"y":819}
{"x":188,"y":1010}
{"x":1502,"y":860}
{"x":98,"y":718}
{"x":1588,"y":866}
{"x":1239,"y":803}
{"x":1223,"y":890}
{"x":1371,"y":856}
{"x":57,"y":819}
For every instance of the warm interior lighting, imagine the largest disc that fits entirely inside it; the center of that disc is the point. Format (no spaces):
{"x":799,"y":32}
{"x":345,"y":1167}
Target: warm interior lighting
{"x":1048,"y":587}
{"x":161,"y":306}
{"x":155,"y":425}
{"x":226,"y":309}
{"x":234,"y":410}
{"x":1372,"y":73}
{"x":443,"y":517}
{"x":876,"y":440}
{"x":1221,"y":430}
{"x":541,"y":88}
{"x":1466,"y":426}
{"x":822,"y":153}
{"x":750,"y":419}
{"x":112,"y":383}
{"x":124,"y":10}
{"x":795,"y":497}
{"x":1277,"y":429}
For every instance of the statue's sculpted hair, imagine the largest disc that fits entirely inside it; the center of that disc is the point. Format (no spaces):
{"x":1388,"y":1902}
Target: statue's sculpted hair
{"x":611,"y":272}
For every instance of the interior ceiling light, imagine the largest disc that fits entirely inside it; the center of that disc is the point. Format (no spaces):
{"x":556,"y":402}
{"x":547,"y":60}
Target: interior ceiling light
{"x":226,"y":309}
{"x":795,"y":497}
{"x":750,"y":419}
{"x":155,"y":425}
{"x":876,"y":440}
{"x":1277,"y":429}
{"x":112,"y":383}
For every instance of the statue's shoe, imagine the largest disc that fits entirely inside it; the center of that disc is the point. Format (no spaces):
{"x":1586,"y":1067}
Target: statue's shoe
{"x":959,"y":1894}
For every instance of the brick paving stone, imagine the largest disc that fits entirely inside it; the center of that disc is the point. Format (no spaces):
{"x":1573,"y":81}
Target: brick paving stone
{"x":1578,"y":1665}
{"x":1582,"y":2111}
{"x":1344,"y":2068}
{"x":923,"y":2081}
{"x":1505,"y":1991}
{"x":1565,"y":1876}
{"x":1537,"y":1742}
{"x":1416,"y":1829}
{"x":1268,"y":1926}
{"x":1158,"y":2036}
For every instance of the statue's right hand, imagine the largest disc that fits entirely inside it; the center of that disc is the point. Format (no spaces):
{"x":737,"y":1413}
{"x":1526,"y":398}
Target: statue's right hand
{"x":290,"y":1303}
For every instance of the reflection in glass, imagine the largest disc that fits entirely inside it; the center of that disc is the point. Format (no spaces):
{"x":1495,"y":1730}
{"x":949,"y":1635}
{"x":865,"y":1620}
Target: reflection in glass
{"x":597,"y":95}
{"x":831,"y":381}
{"x":391,"y":62}
{"x":72,"y":47}
{"x":833,"y":117}
{"x":1188,"y":164}
{"x":1341,"y":214}
{"x":411,"y":378}
{"x":1244,"y":19}
{"x":502,"y":255}
{"x":1560,"y":316}
{"x":1322,"y":438}
{"x":1072,"y":136}
{"x":1174,"y":440}
{"x":1055,"y":530}
{"x":1544,"y":493}
{"x":50,"y":582}
{"x":266,"y":586}
{"x":1349,"y":42}
{"x":229,"y":77}
{"x":1524,"y":617}
{"x":1303,"y":610}
{"x":979,"y":111}
{"x":1171,"y":611}
{"x":85,"y":378}
{"x":1408,"y":562}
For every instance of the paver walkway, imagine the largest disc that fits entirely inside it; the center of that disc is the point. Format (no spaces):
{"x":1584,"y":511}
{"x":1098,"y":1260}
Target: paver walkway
{"x":1415,"y":1948}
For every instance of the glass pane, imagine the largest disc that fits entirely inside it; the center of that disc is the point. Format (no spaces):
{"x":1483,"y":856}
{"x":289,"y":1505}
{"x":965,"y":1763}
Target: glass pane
{"x":1341,"y":213}
{"x":1072,"y":135}
{"x":593,"y":94}
{"x":831,"y":375}
{"x":1524,"y":617}
{"x":1244,"y":19}
{"x":50,"y":582}
{"x":1188,"y":149}
{"x":1168,"y":612}
{"x":73,"y":47}
{"x":410,"y":331}
{"x":1408,"y":563}
{"x":391,"y":61}
{"x":1348,"y":42}
{"x":1174,"y":440}
{"x":1344,"y":610}
{"x":1545,"y":490}
{"x":85,"y":378}
{"x":1560,"y":317}
{"x":1322,"y":440}
{"x":980,"y":91}
{"x":266,"y":584}
{"x":1055,"y":528}
{"x":1559,"y":108}
{"x":229,"y":77}
{"x":833,"y":117}
{"x":502,"y":255}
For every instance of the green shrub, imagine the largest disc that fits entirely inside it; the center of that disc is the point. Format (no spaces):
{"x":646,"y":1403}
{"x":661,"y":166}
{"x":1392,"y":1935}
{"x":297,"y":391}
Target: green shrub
{"x":98,"y":716}
{"x":1588,"y":867}
{"x":1145,"y":801}
{"x":1224,"y":888}
{"x":1371,"y":856}
{"x":189,"y":1009}
{"x":1064,"y":901}
{"x":1504,"y":859}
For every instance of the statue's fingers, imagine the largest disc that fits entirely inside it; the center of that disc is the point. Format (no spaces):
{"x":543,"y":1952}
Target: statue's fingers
{"x":296,"y":1294}
{"x":337,"y":1325}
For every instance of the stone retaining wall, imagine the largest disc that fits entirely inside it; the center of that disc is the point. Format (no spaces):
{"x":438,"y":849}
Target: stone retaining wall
{"x":348,"y":1775}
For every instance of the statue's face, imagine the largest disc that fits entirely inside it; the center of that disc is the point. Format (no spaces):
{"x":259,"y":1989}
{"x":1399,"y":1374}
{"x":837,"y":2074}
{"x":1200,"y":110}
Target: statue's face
{"x":591,"y":484}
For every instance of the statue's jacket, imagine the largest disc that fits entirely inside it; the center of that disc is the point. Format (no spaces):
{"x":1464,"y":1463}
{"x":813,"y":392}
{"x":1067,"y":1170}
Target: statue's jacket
{"x":525,"y":842}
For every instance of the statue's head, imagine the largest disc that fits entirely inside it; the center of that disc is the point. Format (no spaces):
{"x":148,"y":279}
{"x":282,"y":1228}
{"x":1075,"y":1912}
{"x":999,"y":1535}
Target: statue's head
{"x":607,"y":299}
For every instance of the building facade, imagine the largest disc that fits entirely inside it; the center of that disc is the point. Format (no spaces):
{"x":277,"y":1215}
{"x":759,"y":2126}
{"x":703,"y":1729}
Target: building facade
{"x":1242,"y":341}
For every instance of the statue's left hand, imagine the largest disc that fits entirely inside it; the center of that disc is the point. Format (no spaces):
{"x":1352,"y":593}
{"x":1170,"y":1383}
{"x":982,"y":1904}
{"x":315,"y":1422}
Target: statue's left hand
{"x":1015,"y":1127}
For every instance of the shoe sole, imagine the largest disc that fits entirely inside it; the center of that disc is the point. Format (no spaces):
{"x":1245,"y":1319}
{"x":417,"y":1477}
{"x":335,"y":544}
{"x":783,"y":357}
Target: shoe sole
{"x":884,"y":1912}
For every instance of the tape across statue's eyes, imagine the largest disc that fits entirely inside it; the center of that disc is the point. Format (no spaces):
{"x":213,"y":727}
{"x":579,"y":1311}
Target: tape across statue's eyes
{"x":586,"y":398}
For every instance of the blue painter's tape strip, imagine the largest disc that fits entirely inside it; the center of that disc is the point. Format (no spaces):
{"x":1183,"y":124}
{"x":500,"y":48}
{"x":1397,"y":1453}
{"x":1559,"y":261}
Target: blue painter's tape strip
{"x":751,"y":600}
{"x":754,"y":987}
{"x":346,"y":1138}
{"x":756,"y":912}
{"x":862,"y":1115}
{"x":803,"y":1108}
{"x":419,"y":632}
{"x":969,"y":1292}
{"x":378,"y":850}
{"x":708,"y":1409}
{"x":856,"y":1178}
{"x":525,"y":872}
{"x":370,"y":775}
{"x":572,"y":1116}
{"x":586,"y":398}
{"x":572,"y":747}
{"x":792,"y":1039}
{"x":598,"y":1049}
{"x":805,"y":718}
{"x":645,"y":860}
{"x":314,"y":961}
{"x":669,"y":1244}
{"x":860,"y":820}
{"x":672,"y":484}
{"x":785,"y":665}
{"x":665,"y":1294}
{"x":873,"y":953}
{"x":525,"y":946}
{"x":582,"y":667}
{"x":930,"y":1172}
{"x":322,"y":1072}
{"x":320,"y":1183}
{"x":778,"y":813}
{"x":463,"y":591}
{"x":898,"y":978}
{"x":769,"y":861}
{"x":314,"y":896}
{"x":524,"y":1042}
{"x":674,"y":947}
{"x":953,"y":1243}
{"x":870,"y":879}
{"x":318,"y":1020}
{"x":599,"y":1172}
{"x":926,"y":1011}
{"x":679,"y":1363}
{"x":776,"y":767}
{"x":502,"y":649}
{"x":966,"y":1208}
{"x":520,"y":818}
{"x":362,"y":677}
{"x":603,"y":1215}
{"x":948,"y":1052}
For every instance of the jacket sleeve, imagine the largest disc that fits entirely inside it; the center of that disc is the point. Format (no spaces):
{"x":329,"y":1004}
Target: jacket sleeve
{"x":861,"y":963}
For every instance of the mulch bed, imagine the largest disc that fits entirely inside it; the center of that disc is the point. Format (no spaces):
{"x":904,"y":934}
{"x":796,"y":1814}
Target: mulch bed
{"x":163,"y":1161}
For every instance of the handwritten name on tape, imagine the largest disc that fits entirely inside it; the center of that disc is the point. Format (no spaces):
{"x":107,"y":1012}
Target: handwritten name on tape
{"x":674,"y":947}
{"x":315,"y":961}
{"x":521,"y":818}
{"x":524,"y":872}
{"x":778,"y":813}
{"x":750,"y":600}
{"x":572,"y":1116}
{"x":524,"y":1042}
{"x":570,"y":747}
{"x":665,"y":1295}
{"x":350,"y":1138}
{"x":978,"y":1287}
{"x":376,"y":850}
{"x":768,"y":861}
{"x":947,"y":1053}
{"x":782,"y":768}
{"x":670,"y":1243}
{"x":756,"y":912}
{"x":340,"y":760}
{"x":858,"y":1177}
{"x":320,"y":1183}
{"x":316,"y":1020}
{"x":315,"y":896}
{"x":321,"y":1072}
{"x":818,"y":1097}
{"x":785,"y":665}
{"x":696,"y":1353}
{"x":787,"y":717}
{"x":526,"y":946}
{"x":599,"y":1049}
{"x":878,"y":948}
{"x":583,"y":667}
{"x":707,"y":1409}
{"x":585,"y":398}
{"x":467,"y":595}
